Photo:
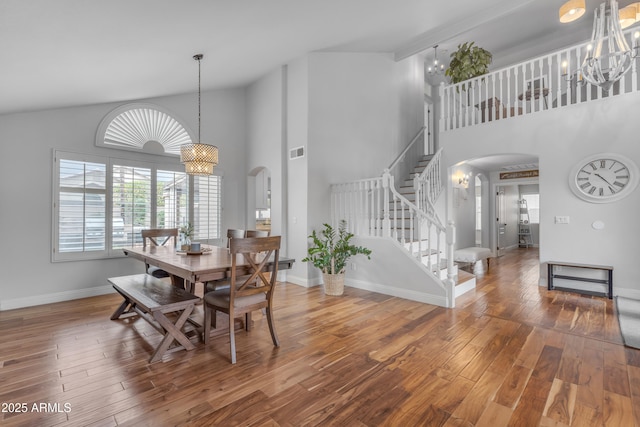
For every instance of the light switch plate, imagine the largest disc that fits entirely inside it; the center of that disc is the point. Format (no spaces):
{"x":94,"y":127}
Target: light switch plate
{"x":562,"y":220}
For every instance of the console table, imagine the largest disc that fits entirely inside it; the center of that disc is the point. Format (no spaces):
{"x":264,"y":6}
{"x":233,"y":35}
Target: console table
{"x":552,"y":275}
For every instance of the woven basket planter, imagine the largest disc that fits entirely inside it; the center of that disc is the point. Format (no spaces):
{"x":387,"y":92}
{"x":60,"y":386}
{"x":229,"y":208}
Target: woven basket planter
{"x":333,"y":283}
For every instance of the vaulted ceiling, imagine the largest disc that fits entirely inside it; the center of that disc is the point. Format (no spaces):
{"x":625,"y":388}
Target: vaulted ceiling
{"x":76,"y":52}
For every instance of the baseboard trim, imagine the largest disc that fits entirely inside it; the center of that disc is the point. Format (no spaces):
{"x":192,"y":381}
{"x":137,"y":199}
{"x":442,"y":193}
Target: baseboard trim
{"x":626,"y":293}
{"x":11,"y":304}
{"x":397,"y":292}
{"x":301,"y":281}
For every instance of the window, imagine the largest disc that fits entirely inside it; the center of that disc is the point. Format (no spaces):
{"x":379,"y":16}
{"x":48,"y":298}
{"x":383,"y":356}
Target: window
{"x":143,"y":127}
{"x":533,"y":205}
{"x":102,"y":204}
{"x":81,"y":205}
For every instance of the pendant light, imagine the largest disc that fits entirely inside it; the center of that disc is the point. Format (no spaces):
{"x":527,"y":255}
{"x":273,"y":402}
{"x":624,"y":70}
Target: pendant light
{"x":198,"y":158}
{"x":608,"y":55}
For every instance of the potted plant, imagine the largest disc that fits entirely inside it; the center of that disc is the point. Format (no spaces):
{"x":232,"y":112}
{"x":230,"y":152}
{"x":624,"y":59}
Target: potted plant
{"x":467,"y":62}
{"x":186,"y":235}
{"x":330,"y":253}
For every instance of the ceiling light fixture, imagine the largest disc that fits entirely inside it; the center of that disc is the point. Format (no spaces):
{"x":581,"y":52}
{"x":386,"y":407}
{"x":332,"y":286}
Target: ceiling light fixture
{"x":608,"y":55}
{"x":199,"y":158}
{"x":437,"y":68}
{"x":572,"y":10}
{"x":629,"y":15}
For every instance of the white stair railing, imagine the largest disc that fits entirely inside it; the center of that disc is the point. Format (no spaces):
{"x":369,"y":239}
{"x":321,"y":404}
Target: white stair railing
{"x":546,"y":82}
{"x":373,"y":207}
{"x":428,"y":185}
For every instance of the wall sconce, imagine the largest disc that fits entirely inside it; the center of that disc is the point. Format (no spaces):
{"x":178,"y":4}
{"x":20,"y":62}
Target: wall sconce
{"x":463,"y":181}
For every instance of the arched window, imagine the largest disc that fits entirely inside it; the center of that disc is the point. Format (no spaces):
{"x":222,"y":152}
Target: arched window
{"x":143,"y":127}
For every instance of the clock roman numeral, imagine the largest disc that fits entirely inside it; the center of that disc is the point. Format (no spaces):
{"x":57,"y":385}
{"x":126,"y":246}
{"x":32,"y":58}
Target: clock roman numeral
{"x":583,"y":179}
{"x":585,"y":185}
{"x":592,"y":190}
{"x":621,"y":169}
{"x":601,"y":192}
{"x":593,"y":166}
{"x":618,"y":184}
{"x":603,"y":164}
{"x":612,"y":190}
{"x":622,"y":176}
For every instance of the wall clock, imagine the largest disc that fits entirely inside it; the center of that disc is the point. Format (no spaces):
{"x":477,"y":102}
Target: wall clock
{"x":604,"y":177}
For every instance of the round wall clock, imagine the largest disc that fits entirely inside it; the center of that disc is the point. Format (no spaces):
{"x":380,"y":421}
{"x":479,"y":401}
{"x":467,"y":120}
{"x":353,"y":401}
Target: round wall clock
{"x":604,"y":178}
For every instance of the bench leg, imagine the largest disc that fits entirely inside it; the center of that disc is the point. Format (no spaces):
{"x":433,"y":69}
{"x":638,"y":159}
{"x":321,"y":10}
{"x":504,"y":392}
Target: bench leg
{"x":174,"y":331}
{"x":126,"y":304}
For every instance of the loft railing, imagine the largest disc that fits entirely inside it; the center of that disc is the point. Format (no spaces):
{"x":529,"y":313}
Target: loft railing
{"x":543,"y":83}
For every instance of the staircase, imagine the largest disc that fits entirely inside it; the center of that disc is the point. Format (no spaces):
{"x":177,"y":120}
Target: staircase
{"x":375,"y":208}
{"x":463,"y":281}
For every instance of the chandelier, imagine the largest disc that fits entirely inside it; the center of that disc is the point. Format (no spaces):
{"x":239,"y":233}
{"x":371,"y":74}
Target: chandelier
{"x":199,"y":158}
{"x":437,"y":68}
{"x":608,"y":55}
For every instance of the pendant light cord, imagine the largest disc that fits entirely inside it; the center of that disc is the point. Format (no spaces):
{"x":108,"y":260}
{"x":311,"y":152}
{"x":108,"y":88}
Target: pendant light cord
{"x":198,"y":57}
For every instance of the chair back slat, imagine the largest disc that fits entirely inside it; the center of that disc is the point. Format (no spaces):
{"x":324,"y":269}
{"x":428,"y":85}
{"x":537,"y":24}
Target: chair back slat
{"x":151,"y":234}
{"x":235,"y":233}
{"x":257,"y":233}
{"x":256,"y":252}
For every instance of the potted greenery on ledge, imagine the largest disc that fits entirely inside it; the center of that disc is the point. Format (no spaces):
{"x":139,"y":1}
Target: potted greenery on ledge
{"x":467,"y":62}
{"x":330,"y":253}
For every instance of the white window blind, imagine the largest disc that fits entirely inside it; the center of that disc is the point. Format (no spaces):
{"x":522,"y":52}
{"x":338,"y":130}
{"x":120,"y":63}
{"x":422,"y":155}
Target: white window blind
{"x":131,"y":201}
{"x":80,"y":206}
{"x":102,"y":204}
{"x":172,"y":199}
{"x":207,"y":198}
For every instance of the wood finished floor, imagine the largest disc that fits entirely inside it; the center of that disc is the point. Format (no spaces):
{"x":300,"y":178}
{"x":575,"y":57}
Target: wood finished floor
{"x":510,"y":354}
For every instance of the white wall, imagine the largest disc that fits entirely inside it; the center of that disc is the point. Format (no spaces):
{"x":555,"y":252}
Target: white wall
{"x":363,"y":109}
{"x":27,"y":141}
{"x":561,"y":138}
{"x":265,"y":141}
{"x":297,"y":170}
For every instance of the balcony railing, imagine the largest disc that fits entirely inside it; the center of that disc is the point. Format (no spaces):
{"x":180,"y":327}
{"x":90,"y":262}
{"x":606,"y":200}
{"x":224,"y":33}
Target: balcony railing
{"x":540,"y":84}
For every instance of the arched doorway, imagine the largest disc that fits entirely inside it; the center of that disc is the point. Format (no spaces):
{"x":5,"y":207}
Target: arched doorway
{"x":259,"y":199}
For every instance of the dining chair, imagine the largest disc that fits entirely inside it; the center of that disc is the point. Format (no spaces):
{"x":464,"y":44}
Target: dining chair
{"x":158,"y":237}
{"x":234,"y":233}
{"x":257,"y":233}
{"x":243,"y":296}
{"x":212,"y":285}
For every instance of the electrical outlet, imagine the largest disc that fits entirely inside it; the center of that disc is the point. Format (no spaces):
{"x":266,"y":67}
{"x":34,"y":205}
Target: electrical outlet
{"x":562,"y":220}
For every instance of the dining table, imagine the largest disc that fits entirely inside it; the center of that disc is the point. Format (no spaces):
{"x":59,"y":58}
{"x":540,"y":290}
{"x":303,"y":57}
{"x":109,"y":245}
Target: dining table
{"x":186,"y":269}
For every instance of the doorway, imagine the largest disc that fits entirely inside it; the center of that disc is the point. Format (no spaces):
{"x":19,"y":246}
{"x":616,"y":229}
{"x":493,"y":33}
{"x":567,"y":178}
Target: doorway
{"x":259,"y":199}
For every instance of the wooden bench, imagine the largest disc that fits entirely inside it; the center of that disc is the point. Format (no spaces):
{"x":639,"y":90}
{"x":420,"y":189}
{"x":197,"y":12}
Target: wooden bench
{"x":551,"y":274}
{"x":152,"y":298}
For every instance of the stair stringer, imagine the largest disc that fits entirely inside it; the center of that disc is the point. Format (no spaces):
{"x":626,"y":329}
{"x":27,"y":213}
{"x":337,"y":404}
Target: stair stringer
{"x":393,"y":271}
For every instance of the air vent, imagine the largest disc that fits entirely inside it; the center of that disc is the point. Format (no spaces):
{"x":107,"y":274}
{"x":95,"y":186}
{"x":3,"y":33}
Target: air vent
{"x":296,"y":153}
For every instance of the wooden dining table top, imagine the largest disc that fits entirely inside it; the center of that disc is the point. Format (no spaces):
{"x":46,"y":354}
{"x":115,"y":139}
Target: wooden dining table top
{"x":213,"y":264}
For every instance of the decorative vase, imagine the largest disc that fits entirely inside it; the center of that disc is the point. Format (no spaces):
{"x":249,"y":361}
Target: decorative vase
{"x":333,"y":283}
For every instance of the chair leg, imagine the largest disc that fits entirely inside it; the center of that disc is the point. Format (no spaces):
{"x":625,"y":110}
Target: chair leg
{"x":207,"y":324}
{"x":272,"y":327}
{"x":214,"y":317}
{"x":247,"y":321}
{"x":232,"y":339}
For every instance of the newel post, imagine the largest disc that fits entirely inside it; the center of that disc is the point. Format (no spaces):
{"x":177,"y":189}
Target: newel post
{"x":387,"y":181}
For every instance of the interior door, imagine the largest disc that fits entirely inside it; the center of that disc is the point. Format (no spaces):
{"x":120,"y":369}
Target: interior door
{"x":501,"y":221}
